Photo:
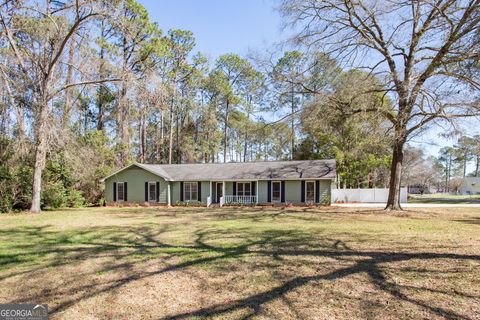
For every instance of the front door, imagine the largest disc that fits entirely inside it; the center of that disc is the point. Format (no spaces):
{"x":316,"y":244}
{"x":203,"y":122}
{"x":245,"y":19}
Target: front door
{"x":219,"y":191}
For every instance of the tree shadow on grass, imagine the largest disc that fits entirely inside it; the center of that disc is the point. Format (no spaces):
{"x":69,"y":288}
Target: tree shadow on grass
{"x":474,"y":220}
{"x":128,"y":245}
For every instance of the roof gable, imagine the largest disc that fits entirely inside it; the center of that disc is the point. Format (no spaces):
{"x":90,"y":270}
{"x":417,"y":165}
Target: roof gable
{"x":156,"y":171}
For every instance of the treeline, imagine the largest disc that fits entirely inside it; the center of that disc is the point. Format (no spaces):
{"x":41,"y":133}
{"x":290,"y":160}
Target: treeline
{"x":444,"y":172}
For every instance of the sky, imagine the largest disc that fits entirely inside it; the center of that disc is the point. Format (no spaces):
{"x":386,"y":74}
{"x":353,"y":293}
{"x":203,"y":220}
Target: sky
{"x":242,"y":26}
{"x":220,"y":26}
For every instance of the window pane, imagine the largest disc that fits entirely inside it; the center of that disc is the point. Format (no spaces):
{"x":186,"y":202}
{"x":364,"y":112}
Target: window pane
{"x":152,"y":192}
{"x":247,"y":189}
{"x":240,"y":189}
{"x":310,"y":191}
{"x":191,"y":191}
{"x":120,"y":196}
{"x":276,"y":191}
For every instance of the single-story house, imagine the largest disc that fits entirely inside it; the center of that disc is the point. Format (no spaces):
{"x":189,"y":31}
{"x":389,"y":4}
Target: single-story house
{"x":470,"y":185}
{"x":268,"y":182}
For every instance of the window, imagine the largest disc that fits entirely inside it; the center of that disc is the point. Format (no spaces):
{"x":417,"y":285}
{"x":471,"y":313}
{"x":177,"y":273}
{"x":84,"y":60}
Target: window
{"x":276,"y":191}
{"x":190,"y":191}
{"x":244,"y":188}
{"x":120,"y":191}
{"x":310,"y":191}
{"x":152,"y":191}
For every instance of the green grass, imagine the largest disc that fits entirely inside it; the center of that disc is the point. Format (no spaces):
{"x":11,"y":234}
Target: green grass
{"x":334,"y":263}
{"x":444,"y":199}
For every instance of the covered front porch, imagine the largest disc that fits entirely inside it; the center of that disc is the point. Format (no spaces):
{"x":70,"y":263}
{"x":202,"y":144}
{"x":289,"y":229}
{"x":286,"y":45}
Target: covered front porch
{"x":233,"y":192}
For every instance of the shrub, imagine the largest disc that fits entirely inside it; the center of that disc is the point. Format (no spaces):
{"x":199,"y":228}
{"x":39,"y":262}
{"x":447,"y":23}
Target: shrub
{"x":75,"y":198}
{"x":54,"y":195}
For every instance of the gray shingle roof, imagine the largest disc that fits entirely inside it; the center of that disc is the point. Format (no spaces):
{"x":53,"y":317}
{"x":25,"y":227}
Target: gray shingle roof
{"x":306,"y":169}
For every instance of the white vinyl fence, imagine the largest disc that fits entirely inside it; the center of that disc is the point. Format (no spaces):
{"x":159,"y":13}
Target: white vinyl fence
{"x":365,"y":195}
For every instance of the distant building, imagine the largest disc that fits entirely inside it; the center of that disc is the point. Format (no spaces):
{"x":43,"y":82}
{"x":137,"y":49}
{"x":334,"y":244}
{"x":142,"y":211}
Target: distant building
{"x":470,"y":185}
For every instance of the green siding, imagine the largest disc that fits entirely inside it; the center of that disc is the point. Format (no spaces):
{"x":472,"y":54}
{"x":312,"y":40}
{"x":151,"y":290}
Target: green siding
{"x":175,"y":190}
{"x":228,"y":188}
{"x":293,"y":191}
{"x":262,"y":191}
{"x":205,"y":190}
{"x":325,"y":191}
{"x":135,"y":178}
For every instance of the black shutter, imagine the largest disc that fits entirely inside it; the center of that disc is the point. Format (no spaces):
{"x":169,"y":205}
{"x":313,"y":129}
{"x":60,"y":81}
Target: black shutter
{"x":125,"y":191}
{"x":254,"y":188}
{"x":269,"y":191}
{"x":302,"y":199}
{"x":181,"y":191}
{"x":214,"y":192}
{"x":146,"y":191}
{"x":199,"y":188}
{"x":114,"y":192}
{"x":158,"y":191}
{"x":317,"y":191}
{"x":234,"y":188}
{"x":283,"y":191}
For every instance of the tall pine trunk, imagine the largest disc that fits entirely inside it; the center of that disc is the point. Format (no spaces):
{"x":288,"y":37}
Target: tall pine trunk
{"x":40,"y":156}
{"x":170,"y":133}
{"x":292,"y":157}
{"x":225,"y":132}
{"x":101,"y":71}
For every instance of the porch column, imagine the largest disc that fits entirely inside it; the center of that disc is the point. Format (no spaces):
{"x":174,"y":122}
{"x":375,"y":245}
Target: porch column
{"x":210,"y":193}
{"x":256,"y":193}
{"x":169,"y":200}
{"x":223,"y":190}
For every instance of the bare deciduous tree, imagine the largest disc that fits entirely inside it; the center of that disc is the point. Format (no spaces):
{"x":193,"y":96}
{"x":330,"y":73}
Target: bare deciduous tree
{"x":38,"y":36}
{"x":416,"y":47}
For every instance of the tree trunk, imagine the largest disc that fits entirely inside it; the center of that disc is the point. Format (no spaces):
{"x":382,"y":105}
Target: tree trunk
{"x":477,"y":166}
{"x":101,"y":70}
{"x":170,"y":134}
{"x":40,"y":156}
{"x":68,"y":80}
{"x":393,"y":202}
{"x":225,"y":132}
{"x":142,"y":133}
{"x":293,"y":124}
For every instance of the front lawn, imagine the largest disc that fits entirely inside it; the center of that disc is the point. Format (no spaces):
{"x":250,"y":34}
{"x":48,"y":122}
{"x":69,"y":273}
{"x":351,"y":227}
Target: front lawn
{"x":444,"y":198}
{"x":330,"y":263}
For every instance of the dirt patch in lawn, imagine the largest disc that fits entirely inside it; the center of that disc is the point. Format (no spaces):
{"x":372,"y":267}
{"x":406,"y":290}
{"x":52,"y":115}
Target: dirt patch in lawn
{"x":264,"y":263}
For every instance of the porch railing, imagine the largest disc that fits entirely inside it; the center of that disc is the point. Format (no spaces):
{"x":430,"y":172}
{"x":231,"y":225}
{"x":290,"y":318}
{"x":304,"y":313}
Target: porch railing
{"x":222,"y":201}
{"x":209,"y":201}
{"x":230,"y":199}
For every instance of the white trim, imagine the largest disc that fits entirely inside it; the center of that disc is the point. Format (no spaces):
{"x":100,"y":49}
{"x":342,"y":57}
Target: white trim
{"x":169,"y":199}
{"x":273,"y":179}
{"x":139,"y":165}
{"x":185,"y":194}
{"x":117,"y":193}
{"x":244,"y":183}
{"x":155,"y":184}
{"x":280,"y":198}
{"x":224,"y":189}
{"x":314,"y":191}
